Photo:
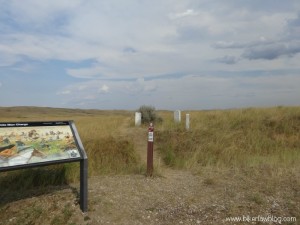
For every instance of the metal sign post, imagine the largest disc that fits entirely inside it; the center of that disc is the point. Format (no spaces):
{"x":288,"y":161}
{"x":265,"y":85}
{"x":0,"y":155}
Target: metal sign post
{"x":84,"y":185}
{"x":83,"y":172}
{"x":150,"y":150}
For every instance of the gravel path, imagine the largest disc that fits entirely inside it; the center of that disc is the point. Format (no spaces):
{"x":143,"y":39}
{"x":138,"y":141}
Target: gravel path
{"x":171,"y":197}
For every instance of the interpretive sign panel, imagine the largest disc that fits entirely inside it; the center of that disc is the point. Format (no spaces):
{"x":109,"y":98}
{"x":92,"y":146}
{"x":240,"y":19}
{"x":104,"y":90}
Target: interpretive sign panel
{"x":25,"y":144}
{"x":32,"y":144}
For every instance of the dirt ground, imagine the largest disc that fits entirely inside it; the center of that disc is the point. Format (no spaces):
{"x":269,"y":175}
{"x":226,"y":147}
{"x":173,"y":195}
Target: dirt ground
{"x":176,"y":197}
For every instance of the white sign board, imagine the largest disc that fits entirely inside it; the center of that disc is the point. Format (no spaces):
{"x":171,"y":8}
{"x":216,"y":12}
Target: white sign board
{"x":150,"y":136}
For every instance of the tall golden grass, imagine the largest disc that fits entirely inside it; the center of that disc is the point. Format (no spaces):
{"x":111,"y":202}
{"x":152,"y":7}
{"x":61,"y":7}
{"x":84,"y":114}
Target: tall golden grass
{"x":233,"y":138}
{"x":239,"y":138}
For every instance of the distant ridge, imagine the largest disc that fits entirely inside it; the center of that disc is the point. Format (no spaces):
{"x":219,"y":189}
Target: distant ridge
{"x":35,"y":111}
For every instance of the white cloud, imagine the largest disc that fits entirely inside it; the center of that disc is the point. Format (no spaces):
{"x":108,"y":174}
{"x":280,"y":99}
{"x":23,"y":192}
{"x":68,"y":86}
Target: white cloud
{"x":45,"y":47}
{"x":104,"y":89}
{"x":65,"y":92}
{"x":195,"y":92}
{"x":102,"y":30}
{"x":188,"y":12}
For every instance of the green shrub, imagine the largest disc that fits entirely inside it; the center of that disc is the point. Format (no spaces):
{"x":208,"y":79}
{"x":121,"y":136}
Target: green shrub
{"x":148,"y":114}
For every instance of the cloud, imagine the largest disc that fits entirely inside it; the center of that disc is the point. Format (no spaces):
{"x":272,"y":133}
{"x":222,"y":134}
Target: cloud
{"x":274,"y":42}
{"x":293,"y":28}
{"x":162,"y":45}
{"x":140,"y":64}
{"x":119,"y":54}
{"x":8,"y":59}
{"x":285,"y":44}
{"x":146,"y":86}
{"x":84,"y":72}
{"x":295,"y":22}
{"x":129,"y":50}
{"x":47,"y":47}
{"x":240,"y":45}
{"x":188,"y":12}
{"x":104,"y":89}
{"x":227,"y":60}
{"x":192,"y":33}
{"x":272,"y":51}
{"x":194,"y":91}
{"x":65,"y":92}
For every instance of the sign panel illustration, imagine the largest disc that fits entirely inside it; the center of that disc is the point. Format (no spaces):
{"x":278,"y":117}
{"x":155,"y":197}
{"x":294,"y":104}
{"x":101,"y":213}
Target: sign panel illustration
{"x":36,"y":142}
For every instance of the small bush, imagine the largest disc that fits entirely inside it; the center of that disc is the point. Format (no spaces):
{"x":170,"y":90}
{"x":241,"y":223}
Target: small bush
{"x":148,"y":114}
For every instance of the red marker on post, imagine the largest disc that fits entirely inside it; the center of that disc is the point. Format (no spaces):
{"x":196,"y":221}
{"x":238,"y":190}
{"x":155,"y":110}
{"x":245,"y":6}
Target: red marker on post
{"x":150,"y":150}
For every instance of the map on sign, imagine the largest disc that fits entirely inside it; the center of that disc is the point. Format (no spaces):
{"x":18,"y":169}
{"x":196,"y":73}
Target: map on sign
{"x":36,"y":142}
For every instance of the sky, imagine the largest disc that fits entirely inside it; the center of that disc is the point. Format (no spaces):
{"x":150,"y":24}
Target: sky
{"x":170,"y":54}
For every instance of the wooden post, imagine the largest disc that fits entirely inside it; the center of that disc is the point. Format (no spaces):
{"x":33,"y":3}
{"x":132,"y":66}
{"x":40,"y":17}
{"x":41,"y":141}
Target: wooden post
{"x":150,"y":150}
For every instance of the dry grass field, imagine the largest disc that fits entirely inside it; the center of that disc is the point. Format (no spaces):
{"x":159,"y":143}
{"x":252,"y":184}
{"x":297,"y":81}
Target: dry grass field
{"x":231,"y":163}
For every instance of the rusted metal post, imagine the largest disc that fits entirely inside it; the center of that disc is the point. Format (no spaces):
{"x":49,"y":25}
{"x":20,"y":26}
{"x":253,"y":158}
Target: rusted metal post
{"x":150,"y":150}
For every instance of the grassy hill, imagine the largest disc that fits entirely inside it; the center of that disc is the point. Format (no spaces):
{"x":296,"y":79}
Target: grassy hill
{"x":254,"y":151}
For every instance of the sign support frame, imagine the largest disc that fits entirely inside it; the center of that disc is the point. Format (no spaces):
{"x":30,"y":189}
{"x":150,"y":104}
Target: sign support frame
{"x":83,"y":171}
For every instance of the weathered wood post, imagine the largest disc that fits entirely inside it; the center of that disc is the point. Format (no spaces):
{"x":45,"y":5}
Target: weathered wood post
{"x":150,"y":150}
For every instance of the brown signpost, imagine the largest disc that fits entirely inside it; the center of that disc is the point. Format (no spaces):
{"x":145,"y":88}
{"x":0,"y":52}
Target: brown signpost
{"x":150,"y":150}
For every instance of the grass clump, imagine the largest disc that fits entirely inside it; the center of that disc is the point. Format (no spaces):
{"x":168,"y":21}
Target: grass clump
{"x":111,"y":155}
{"x":31,"y":178}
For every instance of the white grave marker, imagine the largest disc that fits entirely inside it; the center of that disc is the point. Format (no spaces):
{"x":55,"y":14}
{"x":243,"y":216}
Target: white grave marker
{"x":177,"y":116}
{"x":187,"y":121}
{"x":138,"y":119}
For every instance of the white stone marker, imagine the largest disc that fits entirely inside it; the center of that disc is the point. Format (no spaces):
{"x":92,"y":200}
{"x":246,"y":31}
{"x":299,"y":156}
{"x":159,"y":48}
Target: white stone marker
{"x":138,"y":118}
{"x":187,"y":121}
{"x":177,"y":116}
